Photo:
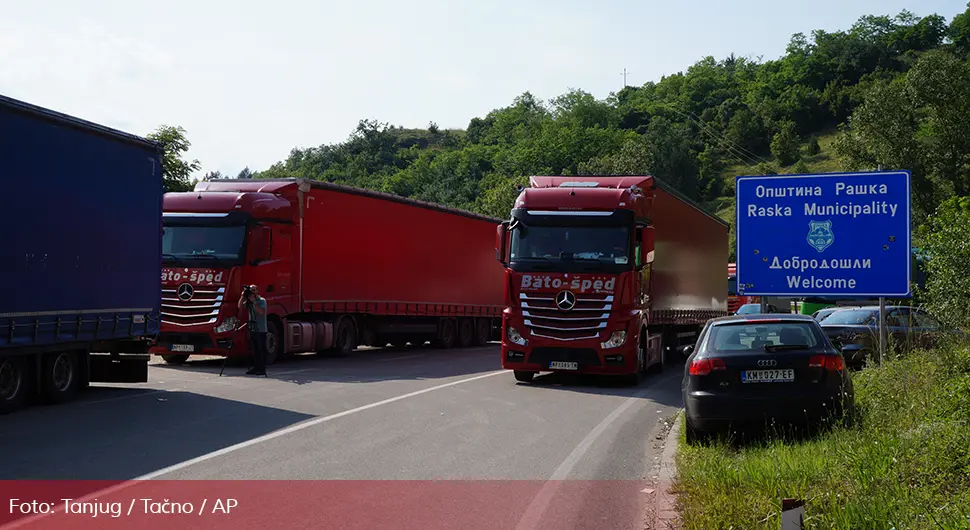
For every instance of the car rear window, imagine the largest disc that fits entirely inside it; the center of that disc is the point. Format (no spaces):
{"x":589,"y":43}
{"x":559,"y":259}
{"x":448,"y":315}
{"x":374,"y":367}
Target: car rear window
{"x":754,"y":336}
{"x":849,"y":317}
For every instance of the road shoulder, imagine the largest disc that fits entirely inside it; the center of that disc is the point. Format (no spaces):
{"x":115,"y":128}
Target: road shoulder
{"x":664,"y":513}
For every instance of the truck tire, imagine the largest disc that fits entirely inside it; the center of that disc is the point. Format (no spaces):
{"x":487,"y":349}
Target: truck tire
{"x":446,"y":336}
{"x":175,"y":359}
{"x":59,"y":376}
{"x":14,"y":384}
{"x":483,"y":331}
{"x":523,"y":377}
{"x":636,"y":377}
{"x":345,"y":336}
{"x":466,"y":332}
{"x":657,"y":367}
{"x":274,"y":342}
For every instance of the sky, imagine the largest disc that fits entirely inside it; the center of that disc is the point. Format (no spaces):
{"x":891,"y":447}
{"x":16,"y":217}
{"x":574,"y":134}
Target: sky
{"x":251,"y":80}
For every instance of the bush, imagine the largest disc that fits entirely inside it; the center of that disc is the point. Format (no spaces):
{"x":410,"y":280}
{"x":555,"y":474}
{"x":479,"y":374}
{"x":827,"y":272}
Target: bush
{"x":944,"y":239}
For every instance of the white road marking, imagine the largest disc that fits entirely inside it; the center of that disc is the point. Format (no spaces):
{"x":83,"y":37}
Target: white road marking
{"x":535,"y":510}
{"x":249,"y":443}
{"x":305,"y":425}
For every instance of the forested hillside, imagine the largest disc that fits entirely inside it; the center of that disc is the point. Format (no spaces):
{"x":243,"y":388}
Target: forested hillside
{"x":893,"y":91}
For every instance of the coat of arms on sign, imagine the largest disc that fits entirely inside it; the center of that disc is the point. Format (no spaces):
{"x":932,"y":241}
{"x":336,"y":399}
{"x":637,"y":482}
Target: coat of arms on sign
{"x":820,"y":235}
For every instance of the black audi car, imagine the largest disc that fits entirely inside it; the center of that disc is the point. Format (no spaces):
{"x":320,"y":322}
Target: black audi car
{"x":751,"y":370}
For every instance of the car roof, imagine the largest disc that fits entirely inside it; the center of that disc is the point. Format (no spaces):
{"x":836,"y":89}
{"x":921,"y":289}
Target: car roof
{"x":775,"y":317}
{"x":876,"y":308}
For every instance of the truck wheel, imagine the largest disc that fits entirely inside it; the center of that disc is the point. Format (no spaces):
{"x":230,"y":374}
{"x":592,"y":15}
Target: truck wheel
{"x":466,"y":332}
{"x":175,"y":359}
{"x":13,"y":384}
{"x":657,"y":367}
{"x":345,"y":336}
{"x":446,"y":334}
{"x":59,"y":376}
{"x":524,"y":377}
{"x":274,"y":342}
{"x":636,"y":377}
{"x":483,"y":331}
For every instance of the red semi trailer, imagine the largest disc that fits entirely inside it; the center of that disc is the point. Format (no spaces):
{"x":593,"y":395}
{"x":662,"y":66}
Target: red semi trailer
{"x":606,"y":274}
{"x":338,"y":266}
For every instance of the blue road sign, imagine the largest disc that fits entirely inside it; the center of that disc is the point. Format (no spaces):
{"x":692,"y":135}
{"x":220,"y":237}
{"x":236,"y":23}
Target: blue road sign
{"x":837,"y":234}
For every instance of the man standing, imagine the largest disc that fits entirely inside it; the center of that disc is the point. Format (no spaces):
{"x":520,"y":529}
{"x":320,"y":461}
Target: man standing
{"x":256,"y":306}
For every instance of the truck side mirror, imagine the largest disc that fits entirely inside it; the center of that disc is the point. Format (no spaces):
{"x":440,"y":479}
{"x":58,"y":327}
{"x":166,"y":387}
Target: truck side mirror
{"x":501,"y":234}
{"x":646,"y":246}
{"x":260,"y":244}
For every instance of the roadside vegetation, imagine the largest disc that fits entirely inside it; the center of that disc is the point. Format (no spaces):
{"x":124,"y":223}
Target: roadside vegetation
{"x":903,"y":464}
{"x":889,"y":90}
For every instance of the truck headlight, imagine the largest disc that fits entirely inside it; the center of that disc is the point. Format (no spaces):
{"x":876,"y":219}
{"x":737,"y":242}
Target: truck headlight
{"x":515,"y":337}
{"x":228,"y":324}
{"x":616,"y":339}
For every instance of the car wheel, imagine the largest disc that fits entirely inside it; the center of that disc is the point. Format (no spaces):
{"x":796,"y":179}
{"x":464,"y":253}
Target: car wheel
{"x":695,"y":437}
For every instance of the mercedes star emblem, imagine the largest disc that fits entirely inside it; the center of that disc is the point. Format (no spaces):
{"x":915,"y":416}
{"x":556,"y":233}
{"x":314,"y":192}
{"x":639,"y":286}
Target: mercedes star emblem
{"x":565,"y":300}
{"x":185,"y":292}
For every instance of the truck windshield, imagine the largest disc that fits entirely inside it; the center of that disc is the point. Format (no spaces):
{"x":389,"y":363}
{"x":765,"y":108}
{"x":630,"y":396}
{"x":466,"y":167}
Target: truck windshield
{"x":608,"y":245}
{"x":181,"y":244}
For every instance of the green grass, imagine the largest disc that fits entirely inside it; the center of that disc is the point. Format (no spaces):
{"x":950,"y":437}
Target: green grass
{"x":904,"y":465}
{"x":825,"y":161}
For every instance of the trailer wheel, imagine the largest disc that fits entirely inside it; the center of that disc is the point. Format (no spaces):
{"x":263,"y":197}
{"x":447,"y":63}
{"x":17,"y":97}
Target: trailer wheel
{"x":59,"y":376}
{"x":466,"y":332}
{"x":175,"y":359}
{"x":446,"y":334}
{"x":13,"y":384}
{"x":345,"y":336}
{"x":483,"y":331}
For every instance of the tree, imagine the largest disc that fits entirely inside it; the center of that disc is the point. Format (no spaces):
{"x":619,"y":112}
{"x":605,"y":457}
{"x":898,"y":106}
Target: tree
{"x":246,"y":173}
{"x":785,"y":144}
{"x":813,"y":147}
{"x":944,"y":241}
{"x":175,"y":170}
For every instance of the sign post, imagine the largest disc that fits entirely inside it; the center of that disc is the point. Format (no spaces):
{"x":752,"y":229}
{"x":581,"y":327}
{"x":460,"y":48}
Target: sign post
{"x":824,"y":235}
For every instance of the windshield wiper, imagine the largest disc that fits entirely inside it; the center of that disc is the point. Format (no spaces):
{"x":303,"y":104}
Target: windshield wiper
{"x":784,"y":347}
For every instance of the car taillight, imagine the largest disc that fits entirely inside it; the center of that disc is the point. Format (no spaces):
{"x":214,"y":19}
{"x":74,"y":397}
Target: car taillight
{"x":706,"y":366}
{"x":833,"y":363}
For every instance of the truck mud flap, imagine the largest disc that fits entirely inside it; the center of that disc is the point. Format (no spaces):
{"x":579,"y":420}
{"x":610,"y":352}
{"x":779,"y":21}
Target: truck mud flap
{"x":118,"y":369}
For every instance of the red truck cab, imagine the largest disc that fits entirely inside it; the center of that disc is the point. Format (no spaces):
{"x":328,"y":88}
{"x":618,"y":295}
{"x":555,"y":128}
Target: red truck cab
{"x":210,"y":249}
{"x":605,"y":275}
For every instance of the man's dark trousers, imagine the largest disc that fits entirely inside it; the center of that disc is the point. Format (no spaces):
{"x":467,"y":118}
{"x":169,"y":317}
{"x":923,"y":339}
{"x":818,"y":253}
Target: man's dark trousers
{"x":258,"y":341}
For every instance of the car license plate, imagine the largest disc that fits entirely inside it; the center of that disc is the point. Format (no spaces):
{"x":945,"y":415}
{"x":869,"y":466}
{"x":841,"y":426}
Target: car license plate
{"x":562,"y":365}
{"x":183,"y":347}
{"x":768,"y":376}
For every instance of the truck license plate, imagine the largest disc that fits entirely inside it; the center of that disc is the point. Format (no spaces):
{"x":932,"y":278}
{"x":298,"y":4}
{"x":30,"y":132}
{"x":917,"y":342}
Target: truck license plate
{"x":183,"y":347}
{"x":563,"y":365}
{"x":768,"y":376}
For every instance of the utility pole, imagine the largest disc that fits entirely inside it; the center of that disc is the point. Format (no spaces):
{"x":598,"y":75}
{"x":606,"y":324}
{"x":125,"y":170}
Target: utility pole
{"x":882,"y":318}
{"x":624,"y":77}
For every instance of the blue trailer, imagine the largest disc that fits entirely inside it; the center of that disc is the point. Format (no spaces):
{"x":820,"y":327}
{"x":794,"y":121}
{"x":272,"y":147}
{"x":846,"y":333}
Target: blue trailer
{"x":81,"y":254}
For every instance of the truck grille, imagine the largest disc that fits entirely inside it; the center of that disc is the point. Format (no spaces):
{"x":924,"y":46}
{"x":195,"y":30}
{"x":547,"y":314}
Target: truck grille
{"x":584,"y":321}
{"x":202,"y":308}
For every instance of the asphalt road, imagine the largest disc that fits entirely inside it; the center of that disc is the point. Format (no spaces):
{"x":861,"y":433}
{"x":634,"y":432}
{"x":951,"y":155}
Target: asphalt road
{"x":393,"y":414}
